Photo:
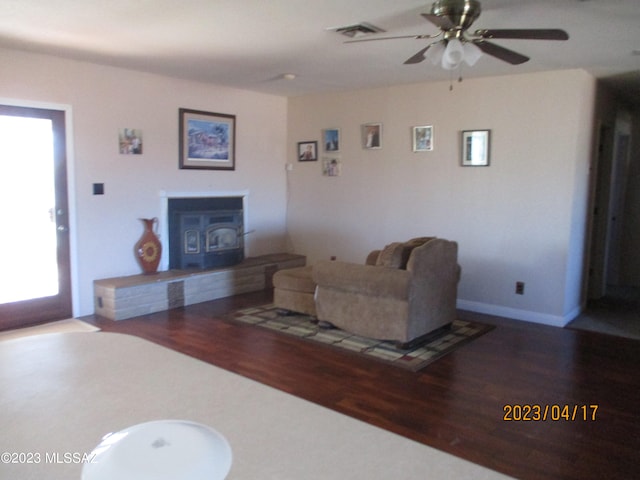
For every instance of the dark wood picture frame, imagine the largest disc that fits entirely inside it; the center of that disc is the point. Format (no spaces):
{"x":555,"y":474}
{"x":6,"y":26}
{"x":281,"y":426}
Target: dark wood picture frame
{"x":308,"y":151}
{"x":207,"y":140}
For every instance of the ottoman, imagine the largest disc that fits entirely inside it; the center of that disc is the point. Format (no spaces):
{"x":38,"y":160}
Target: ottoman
{"x":294,"y":290}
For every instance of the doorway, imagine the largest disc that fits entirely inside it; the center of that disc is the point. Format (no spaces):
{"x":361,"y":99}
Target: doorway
{"x":35,"y":285}
{"x":610,"y":222}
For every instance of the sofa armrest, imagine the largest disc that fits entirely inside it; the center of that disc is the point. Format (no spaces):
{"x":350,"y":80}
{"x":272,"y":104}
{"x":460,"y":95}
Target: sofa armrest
{"x":364,"y":279}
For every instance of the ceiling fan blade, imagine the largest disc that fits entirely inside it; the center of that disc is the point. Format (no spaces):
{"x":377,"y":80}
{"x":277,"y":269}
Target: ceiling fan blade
{"x":509,"y":56}
{"x":525,"y":34}
{"x":418,"y":57}
{"x":442,"y":22}
{"x":416,"y":37}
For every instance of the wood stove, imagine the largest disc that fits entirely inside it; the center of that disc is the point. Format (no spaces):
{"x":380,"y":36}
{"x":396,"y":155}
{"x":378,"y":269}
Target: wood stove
{"x":205,"y":232}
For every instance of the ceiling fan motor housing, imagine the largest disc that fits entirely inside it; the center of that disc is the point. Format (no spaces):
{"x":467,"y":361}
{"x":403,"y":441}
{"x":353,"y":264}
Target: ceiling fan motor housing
{"x":461,"y":13}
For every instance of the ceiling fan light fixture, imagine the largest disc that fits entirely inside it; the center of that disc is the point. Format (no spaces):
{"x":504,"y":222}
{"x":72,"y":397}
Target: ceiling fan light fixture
{"x":472,"y":53}
{"x":435,"y":53}
{"x":453,"y":54}
{"x":448,"y":65}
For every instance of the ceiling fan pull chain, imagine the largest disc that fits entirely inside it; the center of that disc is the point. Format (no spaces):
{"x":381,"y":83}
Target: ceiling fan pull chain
{"x":451,"y":78}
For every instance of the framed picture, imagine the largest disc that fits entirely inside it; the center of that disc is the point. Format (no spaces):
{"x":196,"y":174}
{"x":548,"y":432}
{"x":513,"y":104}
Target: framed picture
{"x":130,"y":141}
{"x":372,"y":136}
{"x":422,"y":138}
{"x":207,"y":140}
{"x":331,"y":139}
{"x":331,"y":167}
{"x":476,"y":145}
{"x":307,"y":151}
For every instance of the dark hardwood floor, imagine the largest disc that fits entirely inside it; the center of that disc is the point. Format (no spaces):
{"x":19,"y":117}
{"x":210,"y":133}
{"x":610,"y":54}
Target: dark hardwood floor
{"x":456,"y":404}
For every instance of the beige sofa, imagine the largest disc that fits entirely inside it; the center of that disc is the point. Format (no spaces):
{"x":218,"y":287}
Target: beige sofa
{"x":403,"y":293}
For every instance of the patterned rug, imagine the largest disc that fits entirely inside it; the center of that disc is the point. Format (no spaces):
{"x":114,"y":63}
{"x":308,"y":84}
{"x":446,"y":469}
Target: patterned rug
{"x":414,"y":359}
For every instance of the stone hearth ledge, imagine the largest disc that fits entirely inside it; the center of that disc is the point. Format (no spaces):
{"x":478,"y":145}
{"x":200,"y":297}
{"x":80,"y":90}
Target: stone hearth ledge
{"x":130,"y":296}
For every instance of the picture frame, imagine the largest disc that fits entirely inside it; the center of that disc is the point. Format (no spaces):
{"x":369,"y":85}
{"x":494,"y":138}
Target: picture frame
{"x":331,"y":167}
{"x":307,"y":151}
{"x":476,"y":148}
{"x":372,"y":136}
{"x":130,"y":141}
{"x":422,"y":138}
{"x":207,"y":140}
{"x":331,"y":139}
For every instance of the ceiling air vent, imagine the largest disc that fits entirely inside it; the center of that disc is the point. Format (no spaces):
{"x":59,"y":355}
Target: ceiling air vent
{"x":357,"y":30}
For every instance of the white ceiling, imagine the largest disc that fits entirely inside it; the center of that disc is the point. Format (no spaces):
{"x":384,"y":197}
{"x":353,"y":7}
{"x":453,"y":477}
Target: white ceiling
{"x":251,"y":44}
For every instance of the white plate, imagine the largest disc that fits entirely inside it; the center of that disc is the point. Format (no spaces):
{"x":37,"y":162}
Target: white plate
{"x":161,"y":450}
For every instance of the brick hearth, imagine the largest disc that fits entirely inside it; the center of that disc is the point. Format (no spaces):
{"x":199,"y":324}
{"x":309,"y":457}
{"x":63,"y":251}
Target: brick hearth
{"x":120,"y":298}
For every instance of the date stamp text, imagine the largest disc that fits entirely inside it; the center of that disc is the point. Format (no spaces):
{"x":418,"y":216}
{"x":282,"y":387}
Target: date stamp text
{"x":549,"y":412}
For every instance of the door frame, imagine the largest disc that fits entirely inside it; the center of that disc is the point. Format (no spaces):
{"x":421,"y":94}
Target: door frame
{"x":607,"y":202}
{"x":71,"y":191}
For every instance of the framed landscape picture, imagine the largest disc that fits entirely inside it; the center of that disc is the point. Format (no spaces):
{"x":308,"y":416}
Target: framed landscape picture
{"x":207,"y":140}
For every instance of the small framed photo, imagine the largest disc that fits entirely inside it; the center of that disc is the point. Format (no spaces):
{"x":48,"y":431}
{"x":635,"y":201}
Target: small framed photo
{"x":372,"y":136}
{"x":207,"y":140}
{"x":422,"y":138}
{"x":331,"y":167}
{"x":130,"y":141}
{"x":331,"y":139}
{"x":476,"y":147}
{"x":307,"y":151}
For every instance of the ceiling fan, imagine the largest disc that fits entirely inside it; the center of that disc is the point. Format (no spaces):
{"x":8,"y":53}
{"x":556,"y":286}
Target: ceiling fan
{"x":454,"y":17}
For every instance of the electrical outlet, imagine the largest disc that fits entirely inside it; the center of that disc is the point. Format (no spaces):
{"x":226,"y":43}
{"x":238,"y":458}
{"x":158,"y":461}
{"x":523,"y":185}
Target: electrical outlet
{"x":520,"y":288}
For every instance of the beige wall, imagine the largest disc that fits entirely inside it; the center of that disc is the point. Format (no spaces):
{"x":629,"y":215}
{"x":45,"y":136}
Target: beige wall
{"x":520,"y":219}
{"x":100,"y":100}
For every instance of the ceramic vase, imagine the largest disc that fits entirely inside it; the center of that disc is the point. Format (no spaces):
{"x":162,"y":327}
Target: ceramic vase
{"x":148,"y":248}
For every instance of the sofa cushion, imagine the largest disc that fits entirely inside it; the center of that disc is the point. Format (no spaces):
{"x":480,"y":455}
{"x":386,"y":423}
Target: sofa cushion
{"x":372,"y":258}
{"x":365,"y":280}
{"x":392,"y":256}
{"x":417,"y":241}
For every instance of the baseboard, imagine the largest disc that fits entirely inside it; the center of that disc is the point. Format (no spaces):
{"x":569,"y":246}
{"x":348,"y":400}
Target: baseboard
{"x":517,"y":314}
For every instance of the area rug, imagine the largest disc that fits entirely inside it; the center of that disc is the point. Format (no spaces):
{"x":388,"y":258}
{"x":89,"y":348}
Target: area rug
{"x":60,"y":326}
{"x":414,"y":359}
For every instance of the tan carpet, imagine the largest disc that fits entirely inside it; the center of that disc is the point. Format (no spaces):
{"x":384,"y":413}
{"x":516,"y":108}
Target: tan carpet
{"x":61,"y":326}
